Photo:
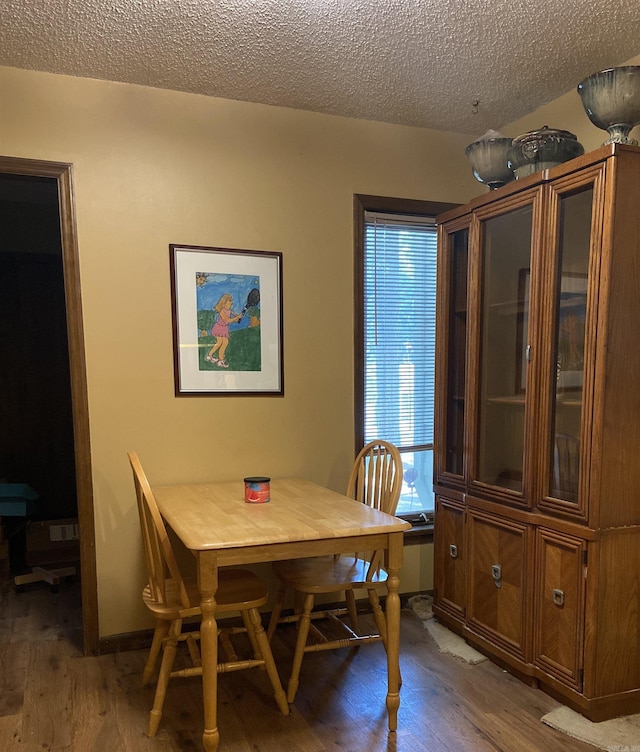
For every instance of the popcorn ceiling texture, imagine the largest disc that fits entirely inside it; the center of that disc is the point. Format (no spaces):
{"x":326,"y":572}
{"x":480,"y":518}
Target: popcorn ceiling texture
{"x":412,"y":62}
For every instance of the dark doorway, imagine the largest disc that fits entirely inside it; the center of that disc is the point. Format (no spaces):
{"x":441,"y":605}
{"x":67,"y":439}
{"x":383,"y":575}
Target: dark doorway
{"x":44,"y":436}
{"x":36,"y":440}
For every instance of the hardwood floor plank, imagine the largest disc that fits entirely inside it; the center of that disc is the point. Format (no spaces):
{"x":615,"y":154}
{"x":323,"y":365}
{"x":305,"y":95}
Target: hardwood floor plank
{"x":55,"y":700}
{"x":10,"y":726}
{"x":47,"y":711}
{"x":13,"y":673}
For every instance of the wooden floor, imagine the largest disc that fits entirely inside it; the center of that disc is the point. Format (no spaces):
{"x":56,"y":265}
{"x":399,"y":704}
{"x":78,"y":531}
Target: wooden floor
{"x":54,"y":699}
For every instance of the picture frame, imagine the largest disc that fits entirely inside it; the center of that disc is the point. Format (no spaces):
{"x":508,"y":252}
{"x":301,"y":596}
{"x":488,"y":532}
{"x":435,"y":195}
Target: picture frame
{"x":571,"y":312}
{"x":227,"y":321}
{"x":572,"y":315}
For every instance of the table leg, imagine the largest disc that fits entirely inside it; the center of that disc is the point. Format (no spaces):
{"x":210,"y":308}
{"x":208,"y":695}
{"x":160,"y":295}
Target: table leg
{"x":207,"y":585}
{"x":392,"y":609}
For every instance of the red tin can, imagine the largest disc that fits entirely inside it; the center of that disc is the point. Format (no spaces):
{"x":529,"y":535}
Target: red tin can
{"x":257,"y":490}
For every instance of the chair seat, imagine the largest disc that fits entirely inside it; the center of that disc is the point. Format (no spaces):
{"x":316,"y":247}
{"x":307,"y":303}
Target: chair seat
{"x":237,"y":589}
{"x":327,"y":574}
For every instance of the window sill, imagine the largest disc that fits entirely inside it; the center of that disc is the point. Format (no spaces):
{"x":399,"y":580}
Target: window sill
{"x":419,"y":534}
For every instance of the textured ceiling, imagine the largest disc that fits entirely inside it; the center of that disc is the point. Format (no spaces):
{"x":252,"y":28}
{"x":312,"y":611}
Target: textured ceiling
{"x":413,"y":62}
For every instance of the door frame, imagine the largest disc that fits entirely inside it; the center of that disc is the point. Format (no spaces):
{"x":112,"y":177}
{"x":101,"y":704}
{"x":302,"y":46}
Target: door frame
{"x":62,"y":172}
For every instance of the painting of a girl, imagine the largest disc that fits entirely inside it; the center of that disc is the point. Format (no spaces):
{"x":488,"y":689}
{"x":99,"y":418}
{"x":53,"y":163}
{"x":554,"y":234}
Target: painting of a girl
{"x":220,"y":330}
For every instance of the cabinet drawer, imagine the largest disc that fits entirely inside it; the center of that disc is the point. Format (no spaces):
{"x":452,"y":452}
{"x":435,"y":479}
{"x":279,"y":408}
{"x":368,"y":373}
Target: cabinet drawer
{"x":559,"y":618}
{"x":498,"y":608}
{"x":450,"y":561}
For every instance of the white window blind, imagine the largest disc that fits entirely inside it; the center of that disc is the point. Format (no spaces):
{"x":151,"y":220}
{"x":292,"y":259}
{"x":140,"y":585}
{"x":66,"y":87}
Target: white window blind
{"x":399,"y":331}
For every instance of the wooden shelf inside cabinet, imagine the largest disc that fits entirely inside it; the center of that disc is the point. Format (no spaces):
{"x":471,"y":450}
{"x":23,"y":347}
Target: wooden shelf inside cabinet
{"x":517,"y":399}
{"x":510,"y":307}
{"x":522,"y":306}
{"x":566,"y":402}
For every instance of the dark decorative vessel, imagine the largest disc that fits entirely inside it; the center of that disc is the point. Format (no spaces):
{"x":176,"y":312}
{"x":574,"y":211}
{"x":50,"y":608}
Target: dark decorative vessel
{"x":542,"y":149}
{"x":488,"y":158}
{"x":611,"y":99}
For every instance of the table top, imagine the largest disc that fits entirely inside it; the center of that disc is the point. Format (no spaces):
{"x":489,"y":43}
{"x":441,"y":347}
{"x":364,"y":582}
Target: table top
{"x":215,"y":515}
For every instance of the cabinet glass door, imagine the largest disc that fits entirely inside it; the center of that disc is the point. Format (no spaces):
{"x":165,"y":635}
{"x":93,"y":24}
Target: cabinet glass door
{"x":506,"y":241}
{"x":456,"y":351}
{"x":569,"y":317}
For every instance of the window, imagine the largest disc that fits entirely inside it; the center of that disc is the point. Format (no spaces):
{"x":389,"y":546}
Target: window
{"x":395,"y":272}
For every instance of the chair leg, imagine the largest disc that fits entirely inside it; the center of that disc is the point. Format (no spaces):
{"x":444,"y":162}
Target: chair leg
{"x":170,"y":647}
{"x":276,"y":611}
{"x":263,"y":648}
{"x":162,"y":628}
{"x":351,"y":608}
{"x":298,"y":602}
{"x":301,"y":642}
{"x":378,"y":615}
{"x":246,"y":620}
{"x":194,"y":650}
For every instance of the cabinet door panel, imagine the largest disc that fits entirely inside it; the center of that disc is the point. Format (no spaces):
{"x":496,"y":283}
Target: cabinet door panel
{"x":498,"y":566}
{"x":571,"y":311}
{"x":451,"y":352}
{"x":504,"y":283}
{"x":450,"y":561}
{"x":559,"y":620}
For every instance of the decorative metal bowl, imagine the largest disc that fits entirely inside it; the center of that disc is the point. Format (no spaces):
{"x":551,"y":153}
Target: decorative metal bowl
{"x":542,"y":149}
{"x":611,"y":99}
{"x":488,"y":158}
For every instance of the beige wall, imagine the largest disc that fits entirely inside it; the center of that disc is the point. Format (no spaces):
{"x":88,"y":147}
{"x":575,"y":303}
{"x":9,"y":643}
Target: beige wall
{"x":154,"y":167}
{"x":568,"y":114}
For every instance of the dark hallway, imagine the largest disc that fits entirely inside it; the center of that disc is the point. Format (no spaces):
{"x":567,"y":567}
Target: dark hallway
{"x":36,"y":427}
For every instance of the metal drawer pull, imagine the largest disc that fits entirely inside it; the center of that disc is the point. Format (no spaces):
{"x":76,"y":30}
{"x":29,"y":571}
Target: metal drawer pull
{"x":496,"y":573}
{"x":558,"y":597}
{"x":453,"y":550}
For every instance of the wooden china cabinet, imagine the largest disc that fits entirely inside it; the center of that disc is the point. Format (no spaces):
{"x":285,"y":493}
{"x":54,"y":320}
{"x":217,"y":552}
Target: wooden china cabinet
{"x":537,"y":470}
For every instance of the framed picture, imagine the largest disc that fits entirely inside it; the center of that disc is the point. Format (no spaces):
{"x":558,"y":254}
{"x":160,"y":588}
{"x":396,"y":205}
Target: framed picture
{"x":227,"y":321}
{"x":572,"y":314}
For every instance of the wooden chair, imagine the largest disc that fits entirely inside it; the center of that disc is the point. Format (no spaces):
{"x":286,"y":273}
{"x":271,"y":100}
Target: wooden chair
{"x":172,"y":598}
{"x":375,"y":480}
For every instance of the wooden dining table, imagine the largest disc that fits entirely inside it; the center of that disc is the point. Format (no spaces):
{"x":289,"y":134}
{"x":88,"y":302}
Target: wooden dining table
{"x":302,"y":519}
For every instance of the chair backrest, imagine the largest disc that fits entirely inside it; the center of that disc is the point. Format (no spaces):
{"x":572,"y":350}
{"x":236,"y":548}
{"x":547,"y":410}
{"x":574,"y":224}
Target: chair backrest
{"x":376,"y":476}
{"x":161,"y":560}
{"x":566,"y":466}
{"x":376,"y":480}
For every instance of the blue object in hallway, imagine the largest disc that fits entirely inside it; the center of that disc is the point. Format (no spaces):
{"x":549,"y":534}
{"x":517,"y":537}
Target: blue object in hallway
{"x":17,"y":500}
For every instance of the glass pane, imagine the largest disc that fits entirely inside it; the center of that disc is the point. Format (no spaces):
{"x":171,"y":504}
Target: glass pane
{"x":504,"y":335}
{"x":569,"y":316}
{"x":399,"y":331}
{"x":459,"y":252}
{"x":417,"y":482}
